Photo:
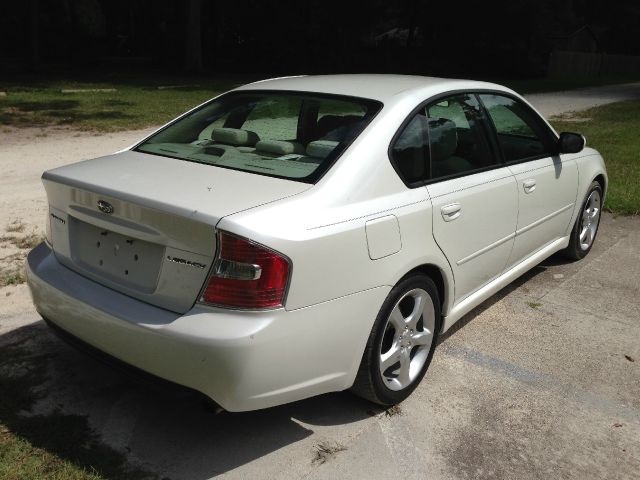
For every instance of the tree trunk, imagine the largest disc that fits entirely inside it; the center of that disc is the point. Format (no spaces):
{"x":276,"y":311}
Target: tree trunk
{"x":193,"y":52}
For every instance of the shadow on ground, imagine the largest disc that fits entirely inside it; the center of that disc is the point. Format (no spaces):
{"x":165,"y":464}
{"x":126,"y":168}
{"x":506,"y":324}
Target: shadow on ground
{"x":102,"y":419}
{"x":106,"y":421}
{"x":557,"y":259}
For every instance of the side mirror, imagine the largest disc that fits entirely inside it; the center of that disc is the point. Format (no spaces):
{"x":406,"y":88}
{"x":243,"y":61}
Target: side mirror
{"x":571,"y":142}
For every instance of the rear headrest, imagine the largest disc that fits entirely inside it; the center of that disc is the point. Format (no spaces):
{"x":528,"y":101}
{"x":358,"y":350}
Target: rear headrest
{"x":234,"y":136}
{"x":443,"y":138}
{"x":321,"y":148}
{"x":279,"y":147}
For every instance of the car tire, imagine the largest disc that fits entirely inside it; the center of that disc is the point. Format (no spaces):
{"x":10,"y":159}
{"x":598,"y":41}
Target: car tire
{"x":586,"y":226}
{"x":401,"y":343}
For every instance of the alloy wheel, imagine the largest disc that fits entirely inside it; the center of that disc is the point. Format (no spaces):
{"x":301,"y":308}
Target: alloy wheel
{"x":590,"y":220}
{"x":408,"y":334}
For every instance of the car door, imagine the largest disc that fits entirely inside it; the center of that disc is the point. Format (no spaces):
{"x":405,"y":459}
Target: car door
{"x":474,"y":197}
{"x":547,"y":182}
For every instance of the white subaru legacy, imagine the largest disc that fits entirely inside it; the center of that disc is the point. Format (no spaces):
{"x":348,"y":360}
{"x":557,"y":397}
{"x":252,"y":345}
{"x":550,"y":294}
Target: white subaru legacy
{"x":304,"y":235}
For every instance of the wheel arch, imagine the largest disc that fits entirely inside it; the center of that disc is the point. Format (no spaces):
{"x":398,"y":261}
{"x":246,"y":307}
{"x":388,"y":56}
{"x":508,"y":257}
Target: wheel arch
{"x":440,"y":279}
{"x":601,"y":179}
{"x":591,"y":168}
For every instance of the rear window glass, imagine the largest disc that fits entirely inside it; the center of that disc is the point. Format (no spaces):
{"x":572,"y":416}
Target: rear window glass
{"x":287,"y":135}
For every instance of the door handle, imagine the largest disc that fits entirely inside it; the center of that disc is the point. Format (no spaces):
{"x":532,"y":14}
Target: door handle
{"x":529,"y":185}
{"x":451,"y":211}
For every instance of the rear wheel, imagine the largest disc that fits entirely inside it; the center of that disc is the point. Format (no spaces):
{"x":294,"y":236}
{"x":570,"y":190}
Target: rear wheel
{"x":401,"y":343}
{"x":585,"y":229}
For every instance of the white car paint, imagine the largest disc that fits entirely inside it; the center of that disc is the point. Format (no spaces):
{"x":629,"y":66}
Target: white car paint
{"x":486,"y":221}
{"x":547,"y":193}
{"x":350,"y":238}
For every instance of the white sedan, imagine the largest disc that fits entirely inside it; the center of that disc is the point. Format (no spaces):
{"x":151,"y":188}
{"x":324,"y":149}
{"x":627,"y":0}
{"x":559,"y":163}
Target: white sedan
{"x":304,"y":235}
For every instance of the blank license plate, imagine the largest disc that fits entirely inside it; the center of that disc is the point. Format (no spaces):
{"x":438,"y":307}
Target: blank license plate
{"x":128,"y":261}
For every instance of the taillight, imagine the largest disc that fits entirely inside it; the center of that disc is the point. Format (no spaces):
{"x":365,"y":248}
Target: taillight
{"x":246,"y":275}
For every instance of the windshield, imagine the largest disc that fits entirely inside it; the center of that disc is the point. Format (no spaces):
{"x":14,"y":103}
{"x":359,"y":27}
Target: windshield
{"x":288,"y":135}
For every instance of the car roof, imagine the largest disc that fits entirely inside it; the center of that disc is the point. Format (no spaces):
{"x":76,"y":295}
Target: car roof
{"x":382,"y":87}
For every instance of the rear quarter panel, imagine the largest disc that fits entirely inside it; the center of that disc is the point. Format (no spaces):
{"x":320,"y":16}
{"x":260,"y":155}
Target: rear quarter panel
{"x":330,"y":257}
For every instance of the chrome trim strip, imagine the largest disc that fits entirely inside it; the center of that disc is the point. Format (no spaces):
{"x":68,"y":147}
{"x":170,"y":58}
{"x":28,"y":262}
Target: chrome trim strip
{"x":486,"y":249}
{"x":543,"y":219}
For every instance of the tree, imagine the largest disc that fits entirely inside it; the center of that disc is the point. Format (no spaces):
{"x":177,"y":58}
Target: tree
{"x":34,"y":34}
{"x":193,"y":52}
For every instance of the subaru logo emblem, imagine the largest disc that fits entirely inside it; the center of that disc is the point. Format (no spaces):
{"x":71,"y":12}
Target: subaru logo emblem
{"x":105,"y":207}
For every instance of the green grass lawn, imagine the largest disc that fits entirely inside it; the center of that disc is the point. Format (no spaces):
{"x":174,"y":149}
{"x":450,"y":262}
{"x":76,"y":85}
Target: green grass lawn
{"x":137,"y":102}
{"x":614,"y":130}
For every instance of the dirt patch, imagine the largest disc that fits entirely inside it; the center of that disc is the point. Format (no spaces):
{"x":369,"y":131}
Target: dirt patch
{"x":15,"y":244}
{"x":25,"y":154}
{"x":325,"y":451}
{"x":572,"y":117}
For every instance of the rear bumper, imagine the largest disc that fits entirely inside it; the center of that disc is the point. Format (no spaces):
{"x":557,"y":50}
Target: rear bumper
{"x":241,"y":360}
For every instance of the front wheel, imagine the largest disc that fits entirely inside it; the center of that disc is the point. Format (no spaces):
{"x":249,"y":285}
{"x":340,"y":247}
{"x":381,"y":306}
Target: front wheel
{"x":401,"y":343}
{"x":585,"y":229}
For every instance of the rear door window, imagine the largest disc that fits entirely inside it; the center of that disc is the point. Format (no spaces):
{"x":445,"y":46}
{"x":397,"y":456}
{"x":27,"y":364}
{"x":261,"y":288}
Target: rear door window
{"x":449,"y":137}
{"x":458,"y":137}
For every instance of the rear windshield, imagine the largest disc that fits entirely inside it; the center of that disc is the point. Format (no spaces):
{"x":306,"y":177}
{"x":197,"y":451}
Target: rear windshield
{"x":280,"y":134}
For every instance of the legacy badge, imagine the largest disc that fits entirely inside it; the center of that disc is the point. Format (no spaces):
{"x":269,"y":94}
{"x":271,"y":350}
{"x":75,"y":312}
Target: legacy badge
{"x":183,"y":261}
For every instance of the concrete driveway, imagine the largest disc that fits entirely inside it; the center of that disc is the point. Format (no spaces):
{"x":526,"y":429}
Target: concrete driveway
{"x":541,"y":381}
{"x":552,"y":104}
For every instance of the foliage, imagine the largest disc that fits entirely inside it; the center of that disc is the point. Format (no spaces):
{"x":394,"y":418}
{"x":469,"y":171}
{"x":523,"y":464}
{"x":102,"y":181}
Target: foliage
{"x":509,"y":37}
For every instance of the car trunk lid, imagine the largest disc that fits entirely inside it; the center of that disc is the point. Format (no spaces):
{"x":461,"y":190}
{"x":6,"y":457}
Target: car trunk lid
{"x":144,"y":224}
